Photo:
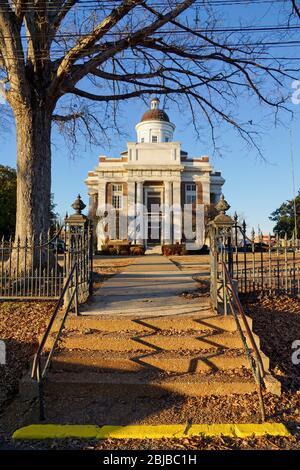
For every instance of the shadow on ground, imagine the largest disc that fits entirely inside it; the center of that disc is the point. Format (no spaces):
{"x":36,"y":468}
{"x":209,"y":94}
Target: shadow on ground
{"x":277,"y":322}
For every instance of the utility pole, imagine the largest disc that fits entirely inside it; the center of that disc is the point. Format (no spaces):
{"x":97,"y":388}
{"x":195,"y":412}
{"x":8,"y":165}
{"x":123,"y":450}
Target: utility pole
{"x":294,"y":186}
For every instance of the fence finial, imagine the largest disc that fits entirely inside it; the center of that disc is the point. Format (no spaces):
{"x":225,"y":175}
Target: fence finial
{"x":78,"y":205}
{"x":222,"y":206}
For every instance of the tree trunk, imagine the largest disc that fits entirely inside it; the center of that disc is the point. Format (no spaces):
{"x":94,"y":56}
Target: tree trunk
{"x":33,"y":127}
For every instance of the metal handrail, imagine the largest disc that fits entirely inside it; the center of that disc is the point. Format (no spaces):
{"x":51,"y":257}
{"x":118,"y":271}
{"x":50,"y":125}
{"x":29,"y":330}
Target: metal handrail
{"x":256,"y":363}
{"x":244,"y":318}
{"x":38,"y":372}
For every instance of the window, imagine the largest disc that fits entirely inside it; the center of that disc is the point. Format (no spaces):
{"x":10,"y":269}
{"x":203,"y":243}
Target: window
{"x":154,"y":138}
{"x":142,"y":140}
{"x":167,"y":139}
{"x":117,"y":196}
{"x":190,"y":193}
{"x":213,"y":198}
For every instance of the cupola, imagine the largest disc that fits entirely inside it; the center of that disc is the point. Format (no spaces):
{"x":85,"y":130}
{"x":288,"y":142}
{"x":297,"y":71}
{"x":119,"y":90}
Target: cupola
{"x":155,"y":125}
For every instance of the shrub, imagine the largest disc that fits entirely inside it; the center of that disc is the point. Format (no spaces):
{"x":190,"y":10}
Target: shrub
{"x":173,"y":249}
{"x":123,"y":252}
{"x":137,"y":250}
{"x":104,"y":251}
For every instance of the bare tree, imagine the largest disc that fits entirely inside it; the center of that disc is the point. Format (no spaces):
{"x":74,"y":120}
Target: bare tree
{"x":57,"y":56}
{"x":296,"y":8}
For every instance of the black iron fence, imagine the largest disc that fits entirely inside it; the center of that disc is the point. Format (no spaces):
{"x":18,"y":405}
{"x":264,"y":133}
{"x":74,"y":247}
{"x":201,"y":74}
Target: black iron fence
{"x":38,"y":268}
{"x":264,"y":264}
{"x":32,"y":268}
{"x":256,"y":264}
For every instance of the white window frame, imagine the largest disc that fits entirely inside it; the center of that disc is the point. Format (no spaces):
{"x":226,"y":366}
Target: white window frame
{"x":190,"y":193}
{"x":117,"y":196}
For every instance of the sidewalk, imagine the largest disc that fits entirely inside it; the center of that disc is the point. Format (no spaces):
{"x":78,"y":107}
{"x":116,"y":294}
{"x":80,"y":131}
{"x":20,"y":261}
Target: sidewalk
{"x":153,"y":284}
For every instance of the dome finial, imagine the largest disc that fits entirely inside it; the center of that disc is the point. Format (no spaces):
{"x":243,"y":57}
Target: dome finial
{"x":154,"y":103}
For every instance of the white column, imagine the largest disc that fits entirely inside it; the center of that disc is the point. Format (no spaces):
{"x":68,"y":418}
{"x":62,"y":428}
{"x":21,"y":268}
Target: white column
{"x":101,"y":197}
{"x":167,"y":235}
{"x":100,"y":233}
{"x":140,"y":226}
{"x":177,"y":212}
{"x":206,"y":189}
{"x":131,"y":210}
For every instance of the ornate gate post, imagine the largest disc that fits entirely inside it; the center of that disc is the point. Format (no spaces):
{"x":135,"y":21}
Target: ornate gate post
{"x":79,"y":248}
{"x":220,"y":231}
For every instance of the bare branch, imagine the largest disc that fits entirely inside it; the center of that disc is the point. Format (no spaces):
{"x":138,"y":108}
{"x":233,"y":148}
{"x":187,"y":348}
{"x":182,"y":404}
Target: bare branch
{"x":124,"y":96}
{"x":63,"y":9}
{"x":12,"y":51}
{"x":84,"y":44}
{"x":138,"y":37}
{"x":69,"y":117}
{"x":296,"y":8}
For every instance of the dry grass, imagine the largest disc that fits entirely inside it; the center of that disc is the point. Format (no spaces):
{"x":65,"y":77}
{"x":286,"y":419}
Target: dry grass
{"x":21,"y":323}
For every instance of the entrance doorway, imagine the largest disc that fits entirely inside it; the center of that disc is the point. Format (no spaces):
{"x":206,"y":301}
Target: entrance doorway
{"x":154,"y":215}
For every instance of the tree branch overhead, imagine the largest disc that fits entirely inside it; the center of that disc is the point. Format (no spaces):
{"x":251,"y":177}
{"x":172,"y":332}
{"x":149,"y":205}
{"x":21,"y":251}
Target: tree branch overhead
{"x":60,"y":57}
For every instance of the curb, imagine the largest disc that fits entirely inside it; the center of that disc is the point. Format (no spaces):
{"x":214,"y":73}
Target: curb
{"x":64,"y":431}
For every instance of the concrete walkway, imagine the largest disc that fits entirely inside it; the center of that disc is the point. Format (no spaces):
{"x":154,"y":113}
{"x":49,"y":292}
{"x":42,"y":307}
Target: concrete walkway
{"x":153,"y":284}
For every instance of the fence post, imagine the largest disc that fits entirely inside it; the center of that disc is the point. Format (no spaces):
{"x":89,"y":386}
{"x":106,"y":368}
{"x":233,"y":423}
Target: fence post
{"x":235,"y":218}
{"x":213,"y":267}
{"x":78,"y":235}
{"x":220,"y":249}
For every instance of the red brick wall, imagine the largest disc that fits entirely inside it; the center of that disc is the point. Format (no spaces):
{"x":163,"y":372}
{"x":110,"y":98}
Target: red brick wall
{"x":199,"y":192}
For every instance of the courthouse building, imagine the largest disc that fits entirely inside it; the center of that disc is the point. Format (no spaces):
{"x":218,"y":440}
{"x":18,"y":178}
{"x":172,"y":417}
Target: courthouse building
{"x":145,"y":188}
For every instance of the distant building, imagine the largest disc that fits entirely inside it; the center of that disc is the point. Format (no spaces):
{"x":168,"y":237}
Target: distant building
{"x":152,"y":175}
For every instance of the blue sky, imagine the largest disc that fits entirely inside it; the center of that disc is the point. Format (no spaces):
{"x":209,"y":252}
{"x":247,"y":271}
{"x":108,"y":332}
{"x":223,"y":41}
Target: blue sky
{"x":254,"y":187}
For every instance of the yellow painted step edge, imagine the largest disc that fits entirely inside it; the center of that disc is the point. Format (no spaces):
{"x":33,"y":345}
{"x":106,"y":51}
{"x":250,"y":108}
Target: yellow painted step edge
{"x":63,"y":431}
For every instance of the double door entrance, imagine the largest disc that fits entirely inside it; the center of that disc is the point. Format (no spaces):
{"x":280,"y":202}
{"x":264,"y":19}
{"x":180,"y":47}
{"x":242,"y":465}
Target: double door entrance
{"x":154,"y":201}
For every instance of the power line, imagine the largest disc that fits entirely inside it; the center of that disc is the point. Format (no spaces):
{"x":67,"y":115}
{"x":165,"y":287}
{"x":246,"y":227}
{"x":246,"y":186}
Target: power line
{"x":229,"y":29}
{"x":202,"y":47}
{"x":95,"y":5}
{"x":154,"y":3}
{"x":294,"y":185}
{"x":57,"y":54}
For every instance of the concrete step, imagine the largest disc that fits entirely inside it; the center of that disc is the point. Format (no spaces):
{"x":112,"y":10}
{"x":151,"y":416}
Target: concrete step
{"x":135,"y":385}
{"x":204,"y":322}
{"x":88,"y":361}
{"x":155,"y":342}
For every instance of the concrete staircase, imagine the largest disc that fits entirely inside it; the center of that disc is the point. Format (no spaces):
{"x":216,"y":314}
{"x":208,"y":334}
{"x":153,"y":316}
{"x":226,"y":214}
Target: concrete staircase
{"x":191,"y":355}
{"x":148,"y":369}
